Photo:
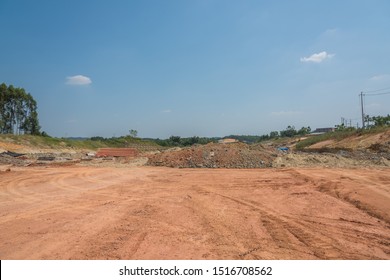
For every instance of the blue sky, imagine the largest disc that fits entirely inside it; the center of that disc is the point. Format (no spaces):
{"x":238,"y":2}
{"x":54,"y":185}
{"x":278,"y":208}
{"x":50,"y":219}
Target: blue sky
{"x":205,"y":68}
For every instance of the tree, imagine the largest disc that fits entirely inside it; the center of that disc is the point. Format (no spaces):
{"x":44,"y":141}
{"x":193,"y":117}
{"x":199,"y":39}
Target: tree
{"x":133,"y":133}
{"x":376,"y":121}
{"x":190,"y":141}
{"x":175,"y":140}
{"x":288,"y":132}
{"x":18,"y":111}
{"x":274,"y":134}
{"x":304,"y":130}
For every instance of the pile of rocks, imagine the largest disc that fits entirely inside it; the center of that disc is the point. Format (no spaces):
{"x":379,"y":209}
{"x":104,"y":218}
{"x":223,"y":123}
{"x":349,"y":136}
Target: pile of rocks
{"x":231,"y":155}
{"x":9,"y":159}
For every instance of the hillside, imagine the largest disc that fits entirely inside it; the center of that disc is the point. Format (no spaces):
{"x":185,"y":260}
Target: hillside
{"x":375,"y":140}
{"x":337,"y":149}
{"x":31,"y":144}
{"x":48,"y":150}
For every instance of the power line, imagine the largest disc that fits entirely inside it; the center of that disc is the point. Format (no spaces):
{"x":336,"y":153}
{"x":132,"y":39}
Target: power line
{"x":372,"y":94}
{"x":369,"y":91}
{"x":362,"y":96}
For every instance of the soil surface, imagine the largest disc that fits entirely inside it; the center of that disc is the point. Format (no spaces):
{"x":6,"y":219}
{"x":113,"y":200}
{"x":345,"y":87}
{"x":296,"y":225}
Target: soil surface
{"x":86,"y":212}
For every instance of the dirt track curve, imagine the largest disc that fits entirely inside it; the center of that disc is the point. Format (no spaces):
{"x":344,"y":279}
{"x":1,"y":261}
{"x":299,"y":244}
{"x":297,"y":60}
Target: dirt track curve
{"x":165,"y":213}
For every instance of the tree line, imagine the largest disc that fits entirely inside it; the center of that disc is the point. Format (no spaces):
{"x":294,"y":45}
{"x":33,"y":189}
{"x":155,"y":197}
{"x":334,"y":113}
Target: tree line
{"x":290,"y":131}
{"x":18,"y":111}
{"x":376,"y":121}
{"x":177,"y":141}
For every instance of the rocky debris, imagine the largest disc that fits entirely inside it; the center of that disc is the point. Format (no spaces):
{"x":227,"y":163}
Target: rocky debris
{"x":212,"y":155}
{"x":33,"y":159}
{"x":380,"y":147}
{"x":6,"y":159}
{"x":120,"y":162}
{"x":240,"y":155}
{"x":12,"y":154}
{"x":46,"y":158}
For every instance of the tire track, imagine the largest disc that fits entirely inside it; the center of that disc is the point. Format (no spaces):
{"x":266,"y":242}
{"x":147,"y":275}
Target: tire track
{"x":282,"y":229}
{"x":335,"y":189}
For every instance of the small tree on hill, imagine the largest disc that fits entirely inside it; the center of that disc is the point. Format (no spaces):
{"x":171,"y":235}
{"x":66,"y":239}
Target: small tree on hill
{"x":288,"y":132}
{"x":133,"y":133}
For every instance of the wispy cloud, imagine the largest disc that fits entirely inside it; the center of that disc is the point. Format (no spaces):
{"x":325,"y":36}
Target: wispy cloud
{"x":317,"y":57}
{"x":373,"y":105}
{"x":71,"y":121}
{"x":286,"y":113}
{"x":78,"y":80}
{"x":166,"y":111}
{"x":331,"y":31}
{"x":380,"y":77}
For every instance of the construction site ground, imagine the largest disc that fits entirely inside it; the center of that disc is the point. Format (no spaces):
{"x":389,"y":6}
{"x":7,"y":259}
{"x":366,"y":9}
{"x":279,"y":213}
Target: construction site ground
{"x":219,"y":201}
{"x":75,"y":212}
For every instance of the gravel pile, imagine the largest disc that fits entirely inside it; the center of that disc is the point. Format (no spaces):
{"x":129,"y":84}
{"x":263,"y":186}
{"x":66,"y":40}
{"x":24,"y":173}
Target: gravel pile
{"x":232,"y":155}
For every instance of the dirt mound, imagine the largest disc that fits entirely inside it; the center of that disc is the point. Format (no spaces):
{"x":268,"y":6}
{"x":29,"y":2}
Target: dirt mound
{"x":116,"y":152}
{"x":376,"y":142}
{"x":343,"y":159}
{"x":6,"y":146}
{"x":232,"y":155}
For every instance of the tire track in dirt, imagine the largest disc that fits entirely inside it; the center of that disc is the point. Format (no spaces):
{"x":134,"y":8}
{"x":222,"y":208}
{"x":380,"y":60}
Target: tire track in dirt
{"x":24,"y":190}
{"x":282,"y":229}
{"x":227,"y":230}
{"x":362,"y":230}
{"x":13,"y":186}
{"x":379,"y":192}
{"x":315,"y":235}
{"x":220,"y":228}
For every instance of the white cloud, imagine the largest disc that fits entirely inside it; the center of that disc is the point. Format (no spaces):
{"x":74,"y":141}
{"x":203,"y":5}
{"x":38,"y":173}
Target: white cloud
{"x":167,"y":111}
{"x":331,"y":31}
{"x":317,"y":57}
{"x":78,"y":80}
{"x":380,"y":77}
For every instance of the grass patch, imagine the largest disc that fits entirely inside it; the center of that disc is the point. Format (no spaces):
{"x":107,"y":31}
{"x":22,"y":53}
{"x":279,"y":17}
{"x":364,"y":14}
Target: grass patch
{"x":88,"y":144}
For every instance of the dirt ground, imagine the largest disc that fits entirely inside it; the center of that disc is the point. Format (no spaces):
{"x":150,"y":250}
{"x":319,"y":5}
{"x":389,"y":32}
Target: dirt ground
{"x":85,"y":212}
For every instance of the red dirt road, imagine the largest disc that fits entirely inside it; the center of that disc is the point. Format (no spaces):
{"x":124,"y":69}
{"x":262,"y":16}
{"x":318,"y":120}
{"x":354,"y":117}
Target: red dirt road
{"x":163,"y":213}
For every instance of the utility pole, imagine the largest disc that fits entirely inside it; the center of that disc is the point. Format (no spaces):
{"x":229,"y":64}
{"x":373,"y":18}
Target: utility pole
{"x":361,"y":102}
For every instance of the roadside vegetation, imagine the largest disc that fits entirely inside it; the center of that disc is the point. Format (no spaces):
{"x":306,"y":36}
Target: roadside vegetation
{"x":81,"y":143}
{"x":339,"y":134}
{"x":289,"y":132}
